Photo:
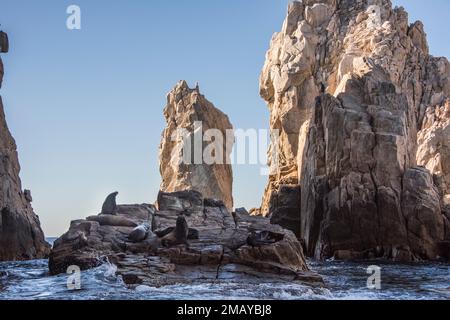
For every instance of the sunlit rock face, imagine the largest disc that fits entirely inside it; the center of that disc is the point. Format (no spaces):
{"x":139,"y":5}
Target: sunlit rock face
{"x":194,"y":158}
{"x":362,"y":111}
{"x":21,"y":237}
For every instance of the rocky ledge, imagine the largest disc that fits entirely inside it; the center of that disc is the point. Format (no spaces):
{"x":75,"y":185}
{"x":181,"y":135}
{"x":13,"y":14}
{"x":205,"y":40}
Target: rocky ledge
{"x":183,"y":239}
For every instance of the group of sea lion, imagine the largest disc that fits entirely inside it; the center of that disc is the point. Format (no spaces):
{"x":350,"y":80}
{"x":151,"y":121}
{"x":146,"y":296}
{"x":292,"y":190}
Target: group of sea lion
{"x":170,"y":237}
{"x":178,"y":235}
{"x":173,"y":236}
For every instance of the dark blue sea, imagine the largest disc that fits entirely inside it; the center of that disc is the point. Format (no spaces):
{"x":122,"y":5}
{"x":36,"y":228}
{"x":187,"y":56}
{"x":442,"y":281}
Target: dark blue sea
{"x":343,"y":281}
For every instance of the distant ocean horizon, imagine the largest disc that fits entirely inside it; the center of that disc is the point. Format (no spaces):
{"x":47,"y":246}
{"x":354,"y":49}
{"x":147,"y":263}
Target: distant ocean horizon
{"x":51,"y":240}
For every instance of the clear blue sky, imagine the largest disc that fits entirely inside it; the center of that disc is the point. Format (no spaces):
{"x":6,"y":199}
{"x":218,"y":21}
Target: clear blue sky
{"x":86,"y":106}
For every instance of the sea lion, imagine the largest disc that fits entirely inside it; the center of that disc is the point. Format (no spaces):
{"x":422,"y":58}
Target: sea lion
{"x":193,"y":234}
{"x":179,"y":235}
{"x":140,"y":233}
{"x":110,"y":205}
{"x":113,"y":221}
{"x":181,"y":230}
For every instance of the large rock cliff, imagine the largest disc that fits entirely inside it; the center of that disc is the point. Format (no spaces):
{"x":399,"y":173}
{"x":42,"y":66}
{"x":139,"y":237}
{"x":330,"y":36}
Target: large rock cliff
{"x":21,"y":237}
{"x":362,"y":111}
{"x":183,"y":146}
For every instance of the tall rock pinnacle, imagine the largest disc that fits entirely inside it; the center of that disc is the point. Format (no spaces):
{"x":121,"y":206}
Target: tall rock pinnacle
{"x":362,"y":109}
{"x":21,"y":237}
{"x":185,"y":109}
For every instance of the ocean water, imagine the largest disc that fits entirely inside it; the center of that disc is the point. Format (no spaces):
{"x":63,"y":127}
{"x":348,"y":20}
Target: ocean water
{"x":343,"y":280}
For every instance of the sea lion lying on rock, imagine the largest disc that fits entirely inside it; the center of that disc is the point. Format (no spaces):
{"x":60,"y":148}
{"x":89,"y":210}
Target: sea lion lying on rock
{"x":263,"y":238}
{"x":140,"y":233}
{"x":110,"y":205}
{"x":113,"y":221}
{"x":192,"y":233}
{"x":179,"y":235}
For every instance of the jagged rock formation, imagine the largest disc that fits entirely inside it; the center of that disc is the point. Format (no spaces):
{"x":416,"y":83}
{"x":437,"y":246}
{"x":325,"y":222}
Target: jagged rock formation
{"x":190,"y":170}
{"x":21,"y":237}
{"x":217,"y":250}
{"x":359,"y":104}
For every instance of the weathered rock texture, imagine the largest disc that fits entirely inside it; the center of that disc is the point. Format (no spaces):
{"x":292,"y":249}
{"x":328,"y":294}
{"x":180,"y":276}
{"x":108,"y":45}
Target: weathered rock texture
{"x":360,"y":105}
{"x":218,"y":250}
{"x":21,"y":237}
{"x":184,"y":108}
{"x":434,"y":146}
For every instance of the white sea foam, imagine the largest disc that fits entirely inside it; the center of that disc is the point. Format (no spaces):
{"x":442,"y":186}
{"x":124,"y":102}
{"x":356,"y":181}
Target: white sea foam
{"x":30,"y":280}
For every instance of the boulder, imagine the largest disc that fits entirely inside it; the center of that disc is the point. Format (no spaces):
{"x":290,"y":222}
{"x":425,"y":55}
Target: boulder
{"x":186,"y":202}
{"x":318,"y":14}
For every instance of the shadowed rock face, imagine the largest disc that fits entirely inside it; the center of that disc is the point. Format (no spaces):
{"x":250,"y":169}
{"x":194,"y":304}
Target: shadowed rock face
{"x":184,"y":107}
{"x":21,"y":237}
{"x":360,"y":105}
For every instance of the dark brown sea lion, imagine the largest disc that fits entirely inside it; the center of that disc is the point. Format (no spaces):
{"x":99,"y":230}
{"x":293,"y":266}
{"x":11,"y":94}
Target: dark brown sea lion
{"x":179,"y":235}
{"x":113,"y":221}
{"x":110,"y":205}
{"x":193,"y":234}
